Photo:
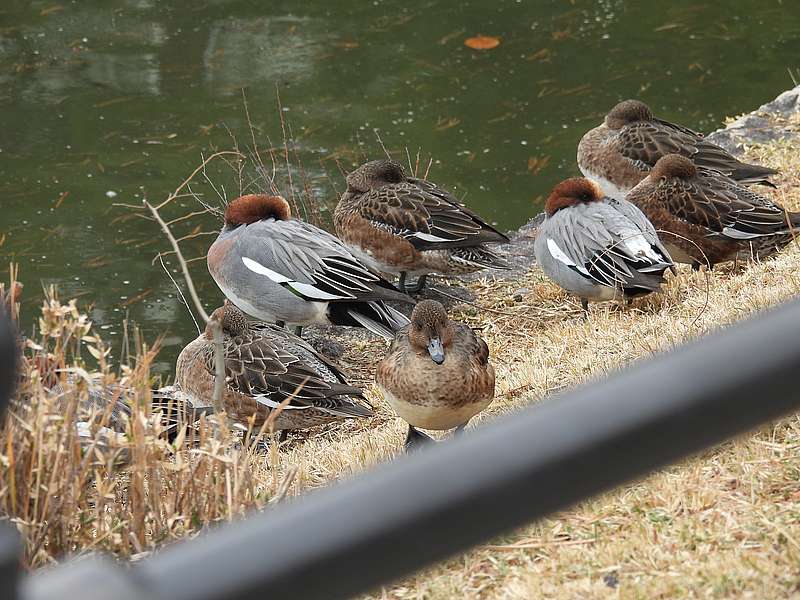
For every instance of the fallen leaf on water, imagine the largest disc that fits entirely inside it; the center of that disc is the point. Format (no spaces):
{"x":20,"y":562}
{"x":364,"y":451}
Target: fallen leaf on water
{"x":50,"y":9}
{"x":482,"y":42}
{"x":537,"y":163}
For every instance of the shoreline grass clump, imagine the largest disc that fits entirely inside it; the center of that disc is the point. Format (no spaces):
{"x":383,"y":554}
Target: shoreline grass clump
{"x":120,"y":487}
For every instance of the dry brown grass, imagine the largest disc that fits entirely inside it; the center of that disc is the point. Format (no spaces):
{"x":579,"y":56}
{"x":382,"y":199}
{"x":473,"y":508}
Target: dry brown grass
{"x":724,"y":524}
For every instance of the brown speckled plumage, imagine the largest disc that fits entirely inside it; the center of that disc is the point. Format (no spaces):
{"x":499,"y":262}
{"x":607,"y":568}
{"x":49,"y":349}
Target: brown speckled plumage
{"x":430,"y":395}
{"x":404,"y":224}
{"x":264,"y":365}
{"x":627,"y":145}
{"x":712,"y":217}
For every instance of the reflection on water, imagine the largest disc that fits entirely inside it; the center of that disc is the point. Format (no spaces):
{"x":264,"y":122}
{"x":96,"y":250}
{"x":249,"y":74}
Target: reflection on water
{"x":114,"y":101}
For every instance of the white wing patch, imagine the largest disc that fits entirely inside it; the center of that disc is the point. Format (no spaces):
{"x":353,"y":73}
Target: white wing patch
{"x":304,"y":289}
{"x":739,"y":235}
{"x":429,"y":237}
{"x":638,"y":246}
{"x":257,"y":267}
{"x":562,"y":257}
{"x":265,"y":400}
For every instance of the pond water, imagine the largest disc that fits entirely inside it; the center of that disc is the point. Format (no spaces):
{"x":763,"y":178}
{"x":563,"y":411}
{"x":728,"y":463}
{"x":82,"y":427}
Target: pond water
{"x":109,"y":102}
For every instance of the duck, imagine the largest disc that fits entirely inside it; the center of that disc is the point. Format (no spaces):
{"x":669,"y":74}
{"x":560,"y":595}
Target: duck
{"x":436,"y":374}
{"x":283,"y":270}
{"x":411,"y":227}
{"x":267,"y":366}
{"x":598,"y":248}
{"x":622,"y":151}
{"x":705,"y":217}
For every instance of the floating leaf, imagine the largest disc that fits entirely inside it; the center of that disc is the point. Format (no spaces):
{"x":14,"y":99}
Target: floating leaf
{"x":482,"y":42}
{"x":537,"y":163}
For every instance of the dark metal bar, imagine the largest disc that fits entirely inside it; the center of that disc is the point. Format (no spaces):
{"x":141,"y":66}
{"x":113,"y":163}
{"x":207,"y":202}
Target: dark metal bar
{"x":10,"y":547}
{"x":347,"y":539}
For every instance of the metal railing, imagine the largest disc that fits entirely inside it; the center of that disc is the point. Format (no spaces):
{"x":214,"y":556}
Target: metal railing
{"x":346,"y":539}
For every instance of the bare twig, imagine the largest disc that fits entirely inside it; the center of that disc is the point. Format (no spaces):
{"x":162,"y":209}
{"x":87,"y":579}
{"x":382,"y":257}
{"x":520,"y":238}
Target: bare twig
{"x":176,"y":248}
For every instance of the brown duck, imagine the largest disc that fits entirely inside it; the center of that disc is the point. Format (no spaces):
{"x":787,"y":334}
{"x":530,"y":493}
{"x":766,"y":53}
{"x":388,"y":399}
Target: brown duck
{"x":264,"y":366}
{"x":621,"y":151}
{"x":409,"y":226}
{"x":436,"y":374}
{"x":704,"y":217}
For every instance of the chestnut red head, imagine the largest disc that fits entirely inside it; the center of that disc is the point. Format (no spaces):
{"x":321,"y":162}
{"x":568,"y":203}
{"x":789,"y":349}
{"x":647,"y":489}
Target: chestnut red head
{"x":256,"y":207}
{"x":571,"y":193}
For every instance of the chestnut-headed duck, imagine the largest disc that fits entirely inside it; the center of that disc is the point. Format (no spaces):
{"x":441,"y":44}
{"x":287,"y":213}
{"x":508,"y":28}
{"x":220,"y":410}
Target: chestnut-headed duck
{"x":622,"y":151}
{"x":280,"y":269}
{"x":436,"y":374}
{"x":408,"y":226}
{"x":264,"y":366}
{"x":704,"y":217}
{"x":596,"y":247}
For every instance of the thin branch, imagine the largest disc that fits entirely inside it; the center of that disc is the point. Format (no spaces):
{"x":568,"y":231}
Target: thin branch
{"x":189,"y":283}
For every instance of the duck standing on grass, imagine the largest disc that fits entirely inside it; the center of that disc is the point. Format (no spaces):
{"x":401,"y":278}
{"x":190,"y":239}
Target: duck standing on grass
{"x":598,"y":248}
{"x":264,"y":366}
{"x":706,"y":218}
{"x":409,"y":226}
{"x":621,"y":151}
{"x":436,"y":374}
{"x":280,"y":269}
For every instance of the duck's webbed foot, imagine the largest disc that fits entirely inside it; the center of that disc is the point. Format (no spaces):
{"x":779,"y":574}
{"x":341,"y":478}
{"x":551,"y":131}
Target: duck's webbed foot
{"x":415,"y":439}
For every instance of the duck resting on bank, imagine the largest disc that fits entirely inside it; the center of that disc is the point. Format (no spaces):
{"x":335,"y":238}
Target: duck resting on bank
{"x":280,"y":269}
{"x":411,"y":227}
{"x":704,"y":217}
{"x":265,"y":365}
{"x":623,"y":150}
{"x":596,"y":247}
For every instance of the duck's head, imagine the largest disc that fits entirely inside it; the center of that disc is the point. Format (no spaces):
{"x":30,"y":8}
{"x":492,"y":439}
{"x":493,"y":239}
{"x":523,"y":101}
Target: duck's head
{"x":375,"y":174}
{"x":232,"y":320}
{"x":431,"y":331}
{"x":255,"y":207}
{"x":572,"y":192}
{"x":626,"y":112}
{"x":673,"y":166}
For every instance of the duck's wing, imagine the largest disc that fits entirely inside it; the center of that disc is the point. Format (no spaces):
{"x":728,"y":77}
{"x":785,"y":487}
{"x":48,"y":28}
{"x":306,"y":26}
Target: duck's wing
{"x":723,"y":207}
{"x":602,"y":244}
{"x":429,"y":217}
{"x":640,"y":220}
{"x":646,"y":141}
{"x":265,"y":364}
{"x":311,"y":263}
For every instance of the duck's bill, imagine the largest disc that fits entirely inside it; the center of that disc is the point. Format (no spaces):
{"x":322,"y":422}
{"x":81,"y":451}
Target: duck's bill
{"x":436,"y":350}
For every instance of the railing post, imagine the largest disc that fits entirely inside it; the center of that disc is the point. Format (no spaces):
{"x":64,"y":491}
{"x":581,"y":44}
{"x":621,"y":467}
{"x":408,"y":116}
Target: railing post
{"x":10,"y":548}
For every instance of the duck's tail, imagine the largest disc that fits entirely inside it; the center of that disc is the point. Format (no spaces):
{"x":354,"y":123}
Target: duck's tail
{"x":378,"y":317}
{"x":748,"y":174}
{"x":479,"y":257}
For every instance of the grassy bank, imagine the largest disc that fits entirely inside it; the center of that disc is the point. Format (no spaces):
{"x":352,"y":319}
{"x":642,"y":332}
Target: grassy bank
{"x":718,"y":525}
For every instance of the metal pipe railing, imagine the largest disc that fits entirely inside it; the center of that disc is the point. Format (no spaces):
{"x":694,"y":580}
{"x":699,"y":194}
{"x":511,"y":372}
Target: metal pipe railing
{"x":349,"y":538}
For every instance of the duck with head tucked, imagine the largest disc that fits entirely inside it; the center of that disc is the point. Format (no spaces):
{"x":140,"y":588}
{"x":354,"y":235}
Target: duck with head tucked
{"x":265,"y":365}
{"x":279,"y":269}
{"x":622,"y":151}
{"x":705,"y":217}
{"x":596,"y":247}
{"x":436,"y":374}
{"x":409,"y":226}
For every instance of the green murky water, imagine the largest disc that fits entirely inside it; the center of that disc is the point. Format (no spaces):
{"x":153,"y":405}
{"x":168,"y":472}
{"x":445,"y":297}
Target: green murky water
{"x":106,"y":102}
